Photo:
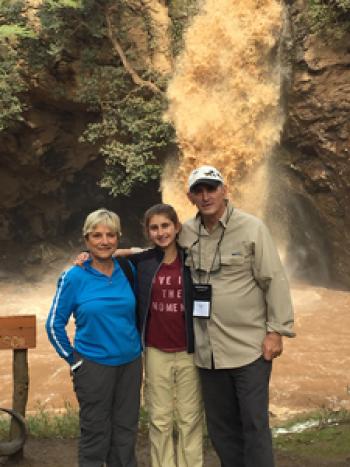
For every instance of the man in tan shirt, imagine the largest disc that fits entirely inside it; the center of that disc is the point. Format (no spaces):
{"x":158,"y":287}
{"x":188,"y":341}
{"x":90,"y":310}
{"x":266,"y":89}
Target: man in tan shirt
{"x":242,"y":308}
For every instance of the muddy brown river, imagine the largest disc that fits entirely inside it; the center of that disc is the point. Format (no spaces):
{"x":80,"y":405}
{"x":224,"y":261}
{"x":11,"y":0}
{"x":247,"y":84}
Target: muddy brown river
{"x":312,"y":373}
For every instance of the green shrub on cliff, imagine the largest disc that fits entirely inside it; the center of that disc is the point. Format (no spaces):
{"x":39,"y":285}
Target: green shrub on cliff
{"x":181,"y":12}
{"x":330,"y":18}
{"x":11,"y":85}
{"x":132,"y":132}
{"x":13,"y":29}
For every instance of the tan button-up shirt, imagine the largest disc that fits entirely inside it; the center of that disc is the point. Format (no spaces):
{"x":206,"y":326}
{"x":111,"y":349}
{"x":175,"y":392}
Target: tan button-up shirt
{"x":250,"y":292}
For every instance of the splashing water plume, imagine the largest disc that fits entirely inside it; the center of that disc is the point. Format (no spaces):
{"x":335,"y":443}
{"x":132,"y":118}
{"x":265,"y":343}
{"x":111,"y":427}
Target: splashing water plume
{"x":224,"y":97}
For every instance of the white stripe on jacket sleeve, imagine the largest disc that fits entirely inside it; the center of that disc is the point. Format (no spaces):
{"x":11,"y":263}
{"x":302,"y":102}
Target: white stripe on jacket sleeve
{"x":53,"y":316}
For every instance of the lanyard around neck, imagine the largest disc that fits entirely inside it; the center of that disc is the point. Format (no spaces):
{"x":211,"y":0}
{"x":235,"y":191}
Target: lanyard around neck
{"x":217,"y":249}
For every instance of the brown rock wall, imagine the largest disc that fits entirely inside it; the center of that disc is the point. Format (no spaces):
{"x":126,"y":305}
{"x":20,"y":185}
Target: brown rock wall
{"x":316,"y":159}
{"x":48,"y":179}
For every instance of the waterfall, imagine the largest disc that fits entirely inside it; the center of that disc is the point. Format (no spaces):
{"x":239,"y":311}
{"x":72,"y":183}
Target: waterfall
{"x":225,"y":99}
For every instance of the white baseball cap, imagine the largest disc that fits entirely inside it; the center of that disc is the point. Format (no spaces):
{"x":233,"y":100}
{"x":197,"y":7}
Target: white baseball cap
{"x":205,"y":174}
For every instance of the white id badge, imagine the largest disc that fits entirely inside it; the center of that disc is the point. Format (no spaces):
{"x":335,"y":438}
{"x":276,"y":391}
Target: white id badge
{"x":201,"y":300}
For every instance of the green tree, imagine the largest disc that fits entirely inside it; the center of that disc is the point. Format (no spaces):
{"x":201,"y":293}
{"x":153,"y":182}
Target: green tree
{"x":112,"y":81}
{"x":329,"y":18}
{"x":88,"y":49}
{"x":13,"y":30}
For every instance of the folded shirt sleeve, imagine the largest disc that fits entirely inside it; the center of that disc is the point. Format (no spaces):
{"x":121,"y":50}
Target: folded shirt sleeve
{"x":271,"y":277}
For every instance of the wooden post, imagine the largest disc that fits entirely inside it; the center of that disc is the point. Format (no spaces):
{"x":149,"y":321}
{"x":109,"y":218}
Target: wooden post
{"x":18,"y":333}
{"x":20,"y":393}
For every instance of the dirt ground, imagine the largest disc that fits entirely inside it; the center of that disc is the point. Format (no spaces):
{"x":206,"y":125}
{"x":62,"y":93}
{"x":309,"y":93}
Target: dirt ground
{"x":63,"y":453}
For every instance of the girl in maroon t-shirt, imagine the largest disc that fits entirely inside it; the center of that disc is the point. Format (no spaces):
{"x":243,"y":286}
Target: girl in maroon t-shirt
{"x":173,"y":393}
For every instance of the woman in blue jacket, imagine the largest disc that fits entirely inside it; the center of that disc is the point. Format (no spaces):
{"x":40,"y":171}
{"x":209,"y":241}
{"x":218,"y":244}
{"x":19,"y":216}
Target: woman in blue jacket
{"x":105,"y":359}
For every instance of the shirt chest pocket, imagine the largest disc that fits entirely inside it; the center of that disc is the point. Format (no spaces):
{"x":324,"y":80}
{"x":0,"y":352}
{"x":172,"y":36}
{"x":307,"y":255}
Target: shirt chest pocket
{"x":234,"y":265}
{"x":232,"y":261}
{"x":238,"y":259}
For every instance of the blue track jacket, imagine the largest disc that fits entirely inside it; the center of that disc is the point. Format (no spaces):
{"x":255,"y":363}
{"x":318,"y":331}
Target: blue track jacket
{"x":104,"y":312}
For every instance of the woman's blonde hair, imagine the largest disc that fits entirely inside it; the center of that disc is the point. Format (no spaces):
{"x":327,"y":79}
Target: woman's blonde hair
{"x":104,"y":217}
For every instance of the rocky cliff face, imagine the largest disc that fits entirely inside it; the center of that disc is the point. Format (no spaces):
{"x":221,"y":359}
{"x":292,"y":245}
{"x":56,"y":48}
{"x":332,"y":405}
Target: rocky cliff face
{"x":314,"y":161}
{"x":48,"y":179}
{"x":41,"y":162}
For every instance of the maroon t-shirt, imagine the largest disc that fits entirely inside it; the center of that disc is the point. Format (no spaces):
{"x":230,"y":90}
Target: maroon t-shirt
{"x":166,"y":317}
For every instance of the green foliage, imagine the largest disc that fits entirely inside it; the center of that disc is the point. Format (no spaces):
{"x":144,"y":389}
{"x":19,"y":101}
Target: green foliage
{"x":11,"y":11}
{"x":64,"y":4}
{"x":13,"y":31}
{"x":327,"y":442}
{"x":181,"y":12}
{"x":132,"y":131}
{"x":47,"y":424}
{"x":11,"y":85}
{"x":142,"y":135}
{"x":44,"y":423}
{"x":329,"y":18}
{"x":323,"y":435}
{"x":13,"y":22}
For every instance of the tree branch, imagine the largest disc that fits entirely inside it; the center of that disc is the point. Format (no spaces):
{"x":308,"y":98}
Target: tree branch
{"x":128,"y":67}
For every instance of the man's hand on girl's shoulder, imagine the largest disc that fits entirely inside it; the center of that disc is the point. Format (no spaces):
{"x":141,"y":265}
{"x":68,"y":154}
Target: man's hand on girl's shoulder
{"x":127,"y":251}
{"x":122,"y":252}
{"x":81,"y":258}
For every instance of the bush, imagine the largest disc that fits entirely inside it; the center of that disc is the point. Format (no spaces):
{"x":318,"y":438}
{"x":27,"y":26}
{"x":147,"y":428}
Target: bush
{"x":329,"y":18}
